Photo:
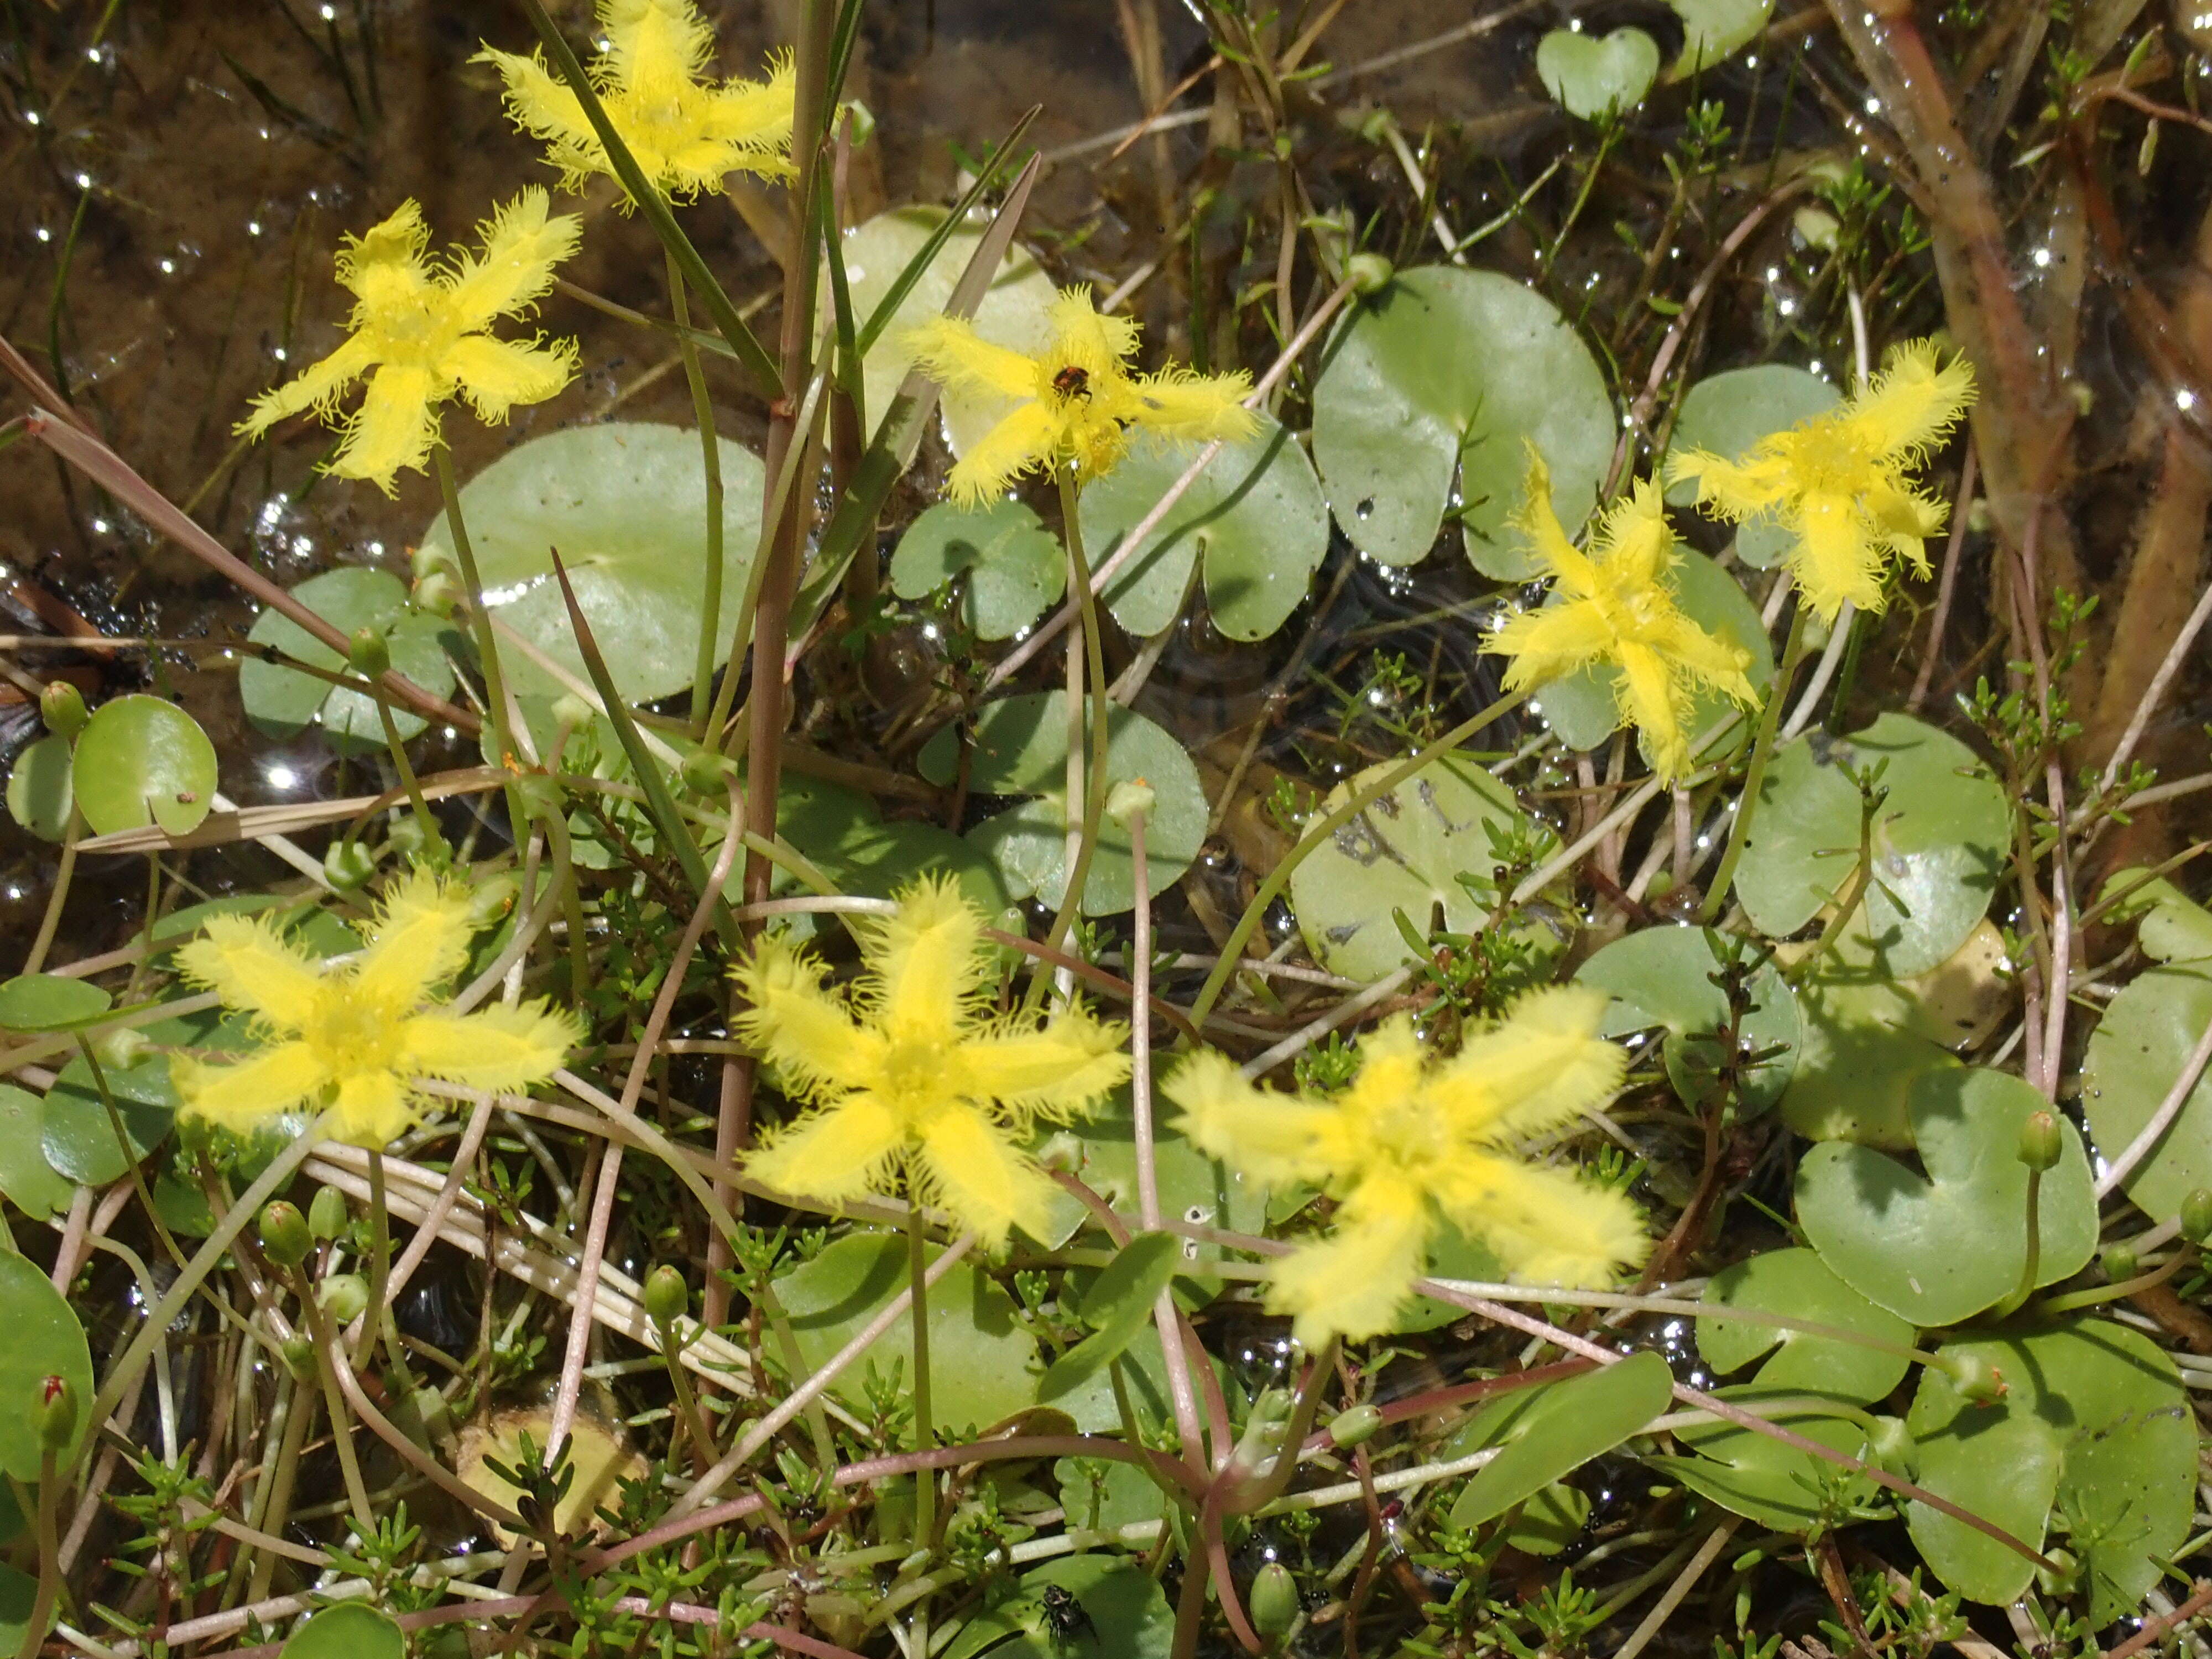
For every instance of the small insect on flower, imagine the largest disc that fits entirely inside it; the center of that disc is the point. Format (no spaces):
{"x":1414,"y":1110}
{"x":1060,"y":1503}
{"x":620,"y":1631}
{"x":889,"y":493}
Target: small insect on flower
{"x":419,"y":334}
{"x":1078,"y":400}
{"x":1064,"y":1616}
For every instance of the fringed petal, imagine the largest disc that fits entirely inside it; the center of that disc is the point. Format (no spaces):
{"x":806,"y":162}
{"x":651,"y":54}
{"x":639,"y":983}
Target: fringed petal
{"x":495,"y":376}
{"x":1025,"y":441}
{"x":1834,"y":560}
{"x":924,"y":961}
{"x":1555,"y":554}
{"x":496,"y":1047}
{"x":242,"y":1098}
{"x":1547,"y":1226}
{"x":244,"y":961}
{"x":522,"y":243}
{"x":396,"y":426}
{"x":833,"y":1154}
{"x":319,"y":387}
{"x":1202,"y":407}
{"x":951,"y":352}
{"x":1056,"y":1073}
{"x":1353,"y":1283}
{"x":1270,"y":1138}
{"x":418,"y":941}
{"x":373,"y":1109}
{"x":1911,"y":403}
{"x":1550,"y":642}
{"x":1538,"y":1068}
{"x":386,"y":267}
{"x":969,"y":1165}
{"x":800,"y":1026}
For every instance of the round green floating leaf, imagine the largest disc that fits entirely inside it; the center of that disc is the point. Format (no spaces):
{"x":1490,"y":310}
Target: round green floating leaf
{"x":1715,"y":29}
{"x":79,"y":1137}
{"x":1726,"y":414}
{"x":1939,"y":841}
{"x":2093,"y":1428}
{"x":1428,"y":400}
{"x":348,"y":1631}
{"x":2135,"y":1057}
{"x":1939,"y":1246}
{"x":1255,"y":515}
{"x":1548,"y":1432}
{"x":625,"y":504}
{"x":1014,"y":566}
{"x":1798,"y":1284}
{"x":141,"y":761}
{"x":2173,"y":927}
{"x":1020,"y":748}
{"x":39,"y":794}
{"x":31,"y":1183}
{"x":979,"y":1359}
{"x":1594,"y":78}
{"x":50,"y":1002}
{"x":1104,"y":1494}
{"x":1407,"y":851}
{"x":1665,"y":977}
{"x":1127,"y":1610}
{"x":282,"y":702}
{"x":1760,"y":1477}
{"x":43,"y":1340}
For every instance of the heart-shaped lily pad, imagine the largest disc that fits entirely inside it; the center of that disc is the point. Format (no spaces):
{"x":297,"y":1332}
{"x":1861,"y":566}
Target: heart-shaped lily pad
{"x":1255,"y":514}
{"x":1582,"y":708}
{"x":31,"y":1184}
{"x":2172,"y":928}
{"x":1939,"y":1246}
{"x":1715,"y":29}
{"x":1406,"y":852}
{"x":1798,"y":1284}
{"x":2093,"y":1437}
{"x":1431,"y":394}
{"x":863,"y":854}
{"x":1939,"y":841}
{"x":348,"y":1631}
{"x":1666,"y":976}
{"x":1597,"y":79}
{"x":1127,"y":1611}
{"x":1102,"y":1494}
{"x":1761,"y":1478}
{"x":283,"y":703}
{"x":1726,"y":414}
{"x":44,"y":1340}
{"x":1551,"y":1430}
{"x":50,"y":1002}
{"x":2135,"y":1057}
{"x":625,"y":504}
{"x":40,"y":793}
{"x":1020,"y":746}
{"x":79,"y":1136}
{"x":142,"y":760}
{"x":1013,"y":565}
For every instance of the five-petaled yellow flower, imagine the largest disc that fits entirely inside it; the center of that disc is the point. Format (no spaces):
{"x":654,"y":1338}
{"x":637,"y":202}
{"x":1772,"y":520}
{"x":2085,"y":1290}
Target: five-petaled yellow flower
{"x":418,"y":333}
{"x":1079,"y":398}
{"x":687,"y":133}
{"x":1410,"y":1145}
{"x":1612,"y":607}
{"x":1839,"y":480}
{"x":914,"y":1070}
{"x":350,"y":1040}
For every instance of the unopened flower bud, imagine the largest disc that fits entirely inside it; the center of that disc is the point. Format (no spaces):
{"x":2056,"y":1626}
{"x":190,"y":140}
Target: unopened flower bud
{"x":120,"y":1049}
{"x":2120,"y":1263}
{"x":1274,"y":1601}
{"x":493,"y":899}
{"x":2067,"y":1577}
{"x":369,"y":653}
{"x":667,"y":1298}
{"x":411,"y":843}
{"x":299,"y":1355}
{"x":428,"y":557}
{"x":57,"y":1412}
{"x":704,"y":772}
{"x":343,"y":1297}
{"x":61,"y":707}
{"x":1974,"y":1376}
{"x":284,"y":1233}
{"x":1890,"y":1447}
{"x":437,"y":594}
{"x":2196,"y":1216}
{"x":2040,"y":1140}
{"x":348,"y":865}
{"x":1349,"y":1428}
{"x":571,"y":712}
{"x":1369,"y":273}
{"x":1126,"y":801}
{"x":328,"y":1213}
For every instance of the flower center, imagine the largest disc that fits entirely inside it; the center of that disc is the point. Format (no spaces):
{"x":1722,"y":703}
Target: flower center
{"x":350,"y":1033}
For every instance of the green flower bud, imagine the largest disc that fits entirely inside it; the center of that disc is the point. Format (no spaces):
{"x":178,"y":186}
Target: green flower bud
{"x":2196,"y":1216}
{"x":62,"y":706}
{"x":57,"y":1412}
{"x":348,"y":865}
{"x":411,"y":843}
{"x":1349,"y":1428}
{"x":2120,"y":1263}
{"x":284,"y":1233}
{"x":704,"y":772}
{"x":437,"y":594}
{"x":422,"y":560}
{"x":328,"y":1213}
{"x":571,"y":712}
{"x":343,"y":1297}
{"x":1891,"y":1449}
{"x":2039,"y":1141}
{"x":120,"y":1049}
{"x":1369,"y":273}
{"x":2067,"y":1578}
{"x":1973,"y":1375}
{"x":1274,"y":1602}
{"x":299,"y":1355}
{"x":493,"y":899}
{"x":1125,"y":801}
{"x":368,"y":652}
{"x":667,"y":1298}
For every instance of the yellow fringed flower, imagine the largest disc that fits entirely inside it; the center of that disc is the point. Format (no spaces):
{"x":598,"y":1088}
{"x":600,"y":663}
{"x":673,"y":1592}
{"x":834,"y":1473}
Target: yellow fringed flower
{"x":350,"y":1040}
{"x":914,"y":1072}
{"x":688,"y":133}
{"x":1612,"y":609}
{"x":1840,"y":480}
{"x":419,"y":334}
{"x":1411,"y":1144}
{"x":1078,"y":399}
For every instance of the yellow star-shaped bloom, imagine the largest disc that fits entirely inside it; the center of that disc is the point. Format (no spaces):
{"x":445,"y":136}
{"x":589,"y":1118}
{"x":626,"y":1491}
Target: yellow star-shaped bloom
{"x":351,"y":1040}
{"x":1612,"y":608}
{"x":686,"y":133}
{"x":915,"y":1072}
{"x":1412,"y":1144}
{"x":419,"y":334}
{"x":1840,"y":480}
{"x":1078,"y":399}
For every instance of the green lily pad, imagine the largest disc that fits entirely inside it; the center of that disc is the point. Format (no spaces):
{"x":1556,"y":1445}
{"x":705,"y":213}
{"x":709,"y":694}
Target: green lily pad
{"x":43,"y":1340}
{"x":980,"y":1359}
{"x":39,"y":794}
{"x":1406,"y":852}
{"x":1015,"y":568}
{"x":625,"y":503}
{"x":1550,"y":1522}
{"x":1726,"y":414}
{"x":1758,"y":1477}
{"x":31,"y":1184}
{"x":1020,"y":745}
{"x":866,"y":855}
{"x":1116,"y":1308}
{"x":350,"y":1630}
{"x":1551,"y":1430}
{"x":1715,"y":29}
{"x":2093,"y":1438}
{"x":1452,"y":1255}
{"x":1939,"y":842}
{"x":1596,"y":79}
{"x":79,"y":1137}
{"x":2174,"y":927}
{"x":142,"y":760}
{"x":283,"y":703}
{"x":1426,"y":402}
{"x":1938,"y":1248}
{"x":1100,"y":1494}
{"x":50,"y":1002}
{"x":2135,"y":1057}
{"x":19,"y":1595}
{"x":1797,"y":1285}
{"x":1016,"y":311}
{"x":1255,"y":514}
{"x":1128,"y":1611}
{"x":1582,"y":708}
{"x":1664,"y":976}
